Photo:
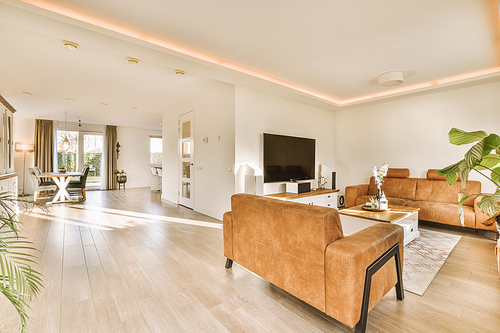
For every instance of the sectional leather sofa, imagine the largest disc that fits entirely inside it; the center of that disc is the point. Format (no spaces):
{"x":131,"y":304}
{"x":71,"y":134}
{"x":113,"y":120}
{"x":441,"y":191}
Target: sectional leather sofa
{"x":438,"y":202}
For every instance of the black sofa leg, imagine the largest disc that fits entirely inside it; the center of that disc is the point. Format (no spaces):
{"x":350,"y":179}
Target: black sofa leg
{"x":372,"y":269}
{"x":229,"y":263}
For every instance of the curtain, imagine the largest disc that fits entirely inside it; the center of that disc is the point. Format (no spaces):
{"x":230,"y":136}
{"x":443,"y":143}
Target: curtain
{"x":44,"y":145}
{"x":111,"y":164}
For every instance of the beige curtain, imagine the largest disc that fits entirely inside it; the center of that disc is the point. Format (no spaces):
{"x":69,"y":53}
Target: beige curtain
{"x":44,"y":145}
{"x":111,"y":164}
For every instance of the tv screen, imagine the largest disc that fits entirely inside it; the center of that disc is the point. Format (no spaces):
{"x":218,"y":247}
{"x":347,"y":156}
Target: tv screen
{"x":288,"y":158}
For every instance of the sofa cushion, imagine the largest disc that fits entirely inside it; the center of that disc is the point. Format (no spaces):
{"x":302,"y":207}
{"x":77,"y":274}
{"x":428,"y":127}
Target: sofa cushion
{"x":443,"y":212}
{"x":398,"y":173}
{"x":395,"y":187}
{"x":440,"y":191}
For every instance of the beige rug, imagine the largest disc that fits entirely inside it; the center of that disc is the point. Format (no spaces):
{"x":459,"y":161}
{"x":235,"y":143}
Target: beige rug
{"x":424,"y":257}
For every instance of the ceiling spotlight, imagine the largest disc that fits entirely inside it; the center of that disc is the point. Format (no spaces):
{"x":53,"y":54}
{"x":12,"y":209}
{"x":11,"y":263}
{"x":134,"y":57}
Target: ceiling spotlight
{"x":134,"y":108}
{"x":179,"y":72}
{"x":69,"y":99}
{"x":132,"y":61}
{"x":70,"y":45}
{"x":27,"y":93}
{"x":79,"y":122}
{"x":390,"y":79}
{"x":104,"y":104}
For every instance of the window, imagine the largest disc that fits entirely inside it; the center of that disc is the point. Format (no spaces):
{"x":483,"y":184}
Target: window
{"x":155,"y":150}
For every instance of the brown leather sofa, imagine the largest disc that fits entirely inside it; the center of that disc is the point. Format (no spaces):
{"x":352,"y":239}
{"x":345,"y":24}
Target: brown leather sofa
{"x":301,"y":249}
{"x":438,"y":202}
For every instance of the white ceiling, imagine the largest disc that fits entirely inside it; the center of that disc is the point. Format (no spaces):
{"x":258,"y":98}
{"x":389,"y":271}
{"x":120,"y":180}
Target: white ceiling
{"x":323,"y":52}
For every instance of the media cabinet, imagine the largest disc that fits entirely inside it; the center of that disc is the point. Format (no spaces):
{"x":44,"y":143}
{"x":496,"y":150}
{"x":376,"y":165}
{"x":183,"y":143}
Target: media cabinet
{"x":325,"y":198}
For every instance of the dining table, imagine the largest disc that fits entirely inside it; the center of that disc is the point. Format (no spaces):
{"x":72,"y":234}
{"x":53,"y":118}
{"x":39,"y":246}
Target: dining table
{"x":62,"y":180}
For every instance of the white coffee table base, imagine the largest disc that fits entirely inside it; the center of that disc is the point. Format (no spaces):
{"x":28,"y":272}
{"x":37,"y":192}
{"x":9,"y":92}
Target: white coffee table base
{"x":351,"y":225}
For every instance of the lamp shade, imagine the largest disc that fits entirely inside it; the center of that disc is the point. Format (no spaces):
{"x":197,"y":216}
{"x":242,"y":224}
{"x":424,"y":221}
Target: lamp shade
{"x":65,"y":144}
{"x":24,"y":147}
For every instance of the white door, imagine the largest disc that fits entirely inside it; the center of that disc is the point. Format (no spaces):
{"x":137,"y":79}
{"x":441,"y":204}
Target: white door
{"x":186,"y":158}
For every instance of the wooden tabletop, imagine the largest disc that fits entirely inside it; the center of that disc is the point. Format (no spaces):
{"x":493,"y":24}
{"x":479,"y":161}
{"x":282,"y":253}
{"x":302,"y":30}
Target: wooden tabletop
{"x":293,"y":196}
{"x":59,"y":174}
{"x":396,"y":213}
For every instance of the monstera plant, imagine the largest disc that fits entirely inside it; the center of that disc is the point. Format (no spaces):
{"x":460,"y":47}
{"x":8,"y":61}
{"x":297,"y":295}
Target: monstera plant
{"x":19,"y":282}
{"x":483,"y":157}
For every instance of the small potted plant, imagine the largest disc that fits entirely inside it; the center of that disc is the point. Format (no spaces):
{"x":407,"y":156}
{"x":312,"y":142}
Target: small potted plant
{"x":121,"y":177}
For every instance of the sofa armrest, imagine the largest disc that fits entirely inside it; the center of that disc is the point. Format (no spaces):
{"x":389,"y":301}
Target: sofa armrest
{"x":352,"y":192}
{"x":227,"y":222}
{"x":346,"y":261}
{"x":483,"y":218}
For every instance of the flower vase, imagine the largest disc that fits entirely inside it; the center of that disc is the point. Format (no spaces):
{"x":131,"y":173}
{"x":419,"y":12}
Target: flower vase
{"x":378,"y":195}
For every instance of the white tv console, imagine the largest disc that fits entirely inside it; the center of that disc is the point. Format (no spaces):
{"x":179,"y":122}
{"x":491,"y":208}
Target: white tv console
{"x":325,"y":198}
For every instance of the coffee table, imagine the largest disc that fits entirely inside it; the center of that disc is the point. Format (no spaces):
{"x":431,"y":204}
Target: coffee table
{"x":356,"y":218}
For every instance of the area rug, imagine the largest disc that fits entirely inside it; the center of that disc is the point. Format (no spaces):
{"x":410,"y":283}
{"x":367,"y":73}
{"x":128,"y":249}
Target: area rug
{"x":424,"y":257}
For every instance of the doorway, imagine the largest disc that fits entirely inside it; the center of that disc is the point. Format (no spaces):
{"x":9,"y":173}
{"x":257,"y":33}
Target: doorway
{"x":186,"y":159}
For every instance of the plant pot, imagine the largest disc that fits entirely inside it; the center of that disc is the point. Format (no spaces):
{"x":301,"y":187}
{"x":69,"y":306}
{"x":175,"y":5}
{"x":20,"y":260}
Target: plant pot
{"x":121,"y":179}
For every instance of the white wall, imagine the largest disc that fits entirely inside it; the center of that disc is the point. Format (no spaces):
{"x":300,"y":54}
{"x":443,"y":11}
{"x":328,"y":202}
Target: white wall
{"x":24,"y":132}
{"x":412,"y":132}
{"x":214,"y":161}
{"x":258,"y":113}
{"x":134,"y":155}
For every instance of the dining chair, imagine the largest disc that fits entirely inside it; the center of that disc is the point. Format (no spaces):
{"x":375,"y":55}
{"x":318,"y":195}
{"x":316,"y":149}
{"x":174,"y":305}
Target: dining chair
{"x":41,"y":188}
{"x":80,"y":184}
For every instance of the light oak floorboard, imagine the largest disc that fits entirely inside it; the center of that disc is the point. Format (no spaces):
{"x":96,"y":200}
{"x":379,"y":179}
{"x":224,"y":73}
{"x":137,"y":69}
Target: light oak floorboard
{"x":125,"y":261}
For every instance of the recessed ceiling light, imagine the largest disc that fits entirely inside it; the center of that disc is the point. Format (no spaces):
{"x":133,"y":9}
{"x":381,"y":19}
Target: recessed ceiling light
{"x":134,"y":108}
{"x":179,"y":72}
{"x":69,"y":99}
{"x":132,"y":61}
{"x":70,"y":45}
{"x":390,"y":79}
{"x":27,"y":93}
{"x":104,"y":104}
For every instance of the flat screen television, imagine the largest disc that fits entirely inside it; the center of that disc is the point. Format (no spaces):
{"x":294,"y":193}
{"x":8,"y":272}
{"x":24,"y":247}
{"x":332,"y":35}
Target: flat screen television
{"x":288,"y":158}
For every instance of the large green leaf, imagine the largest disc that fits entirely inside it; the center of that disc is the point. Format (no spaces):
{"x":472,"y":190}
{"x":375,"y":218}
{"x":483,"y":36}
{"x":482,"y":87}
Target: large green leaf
{"x":495,"y":175}
{"x":451,"y":172}
{"x":459,"y":137}
{"x":490,"y":143}
{"x":489,"y":162}
{"x":474,"y":155}
{"x":461,"y":199}
{"x":464,"y":173}
{"x":490,"y":204}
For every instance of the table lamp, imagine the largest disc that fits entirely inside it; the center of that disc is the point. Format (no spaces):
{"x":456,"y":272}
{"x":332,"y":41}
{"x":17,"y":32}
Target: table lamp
{"x":24,"y":148}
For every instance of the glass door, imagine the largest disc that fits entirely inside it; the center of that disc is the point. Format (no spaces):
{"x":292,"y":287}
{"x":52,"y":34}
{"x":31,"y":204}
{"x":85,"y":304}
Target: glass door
{"x":68,"y":159}
{"x":92,"y":157}
{"x":186,"y":132}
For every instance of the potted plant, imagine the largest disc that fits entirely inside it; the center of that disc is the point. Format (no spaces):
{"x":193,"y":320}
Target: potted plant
{"x":121,"y":176}
{"x":484,"y":158}
{"x":18,"y":281}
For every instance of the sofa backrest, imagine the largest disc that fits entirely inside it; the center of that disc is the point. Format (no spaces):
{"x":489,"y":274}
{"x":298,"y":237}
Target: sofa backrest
{"x":396,"y":184}
{"x":284,"y":242}
{"x":435,"y":188}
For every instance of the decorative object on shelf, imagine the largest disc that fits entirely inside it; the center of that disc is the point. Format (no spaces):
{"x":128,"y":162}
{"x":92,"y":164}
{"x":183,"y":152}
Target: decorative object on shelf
{"x":322,"y":182}
{"x":379,"y":179}
{"x":121,"y":178}
{"x":24,"y":148}
{"x":483,"y":156}
{"x":118,"y":150}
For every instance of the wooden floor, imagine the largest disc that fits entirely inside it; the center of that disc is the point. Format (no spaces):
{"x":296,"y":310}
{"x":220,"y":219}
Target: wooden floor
{"x":123,"y":261}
